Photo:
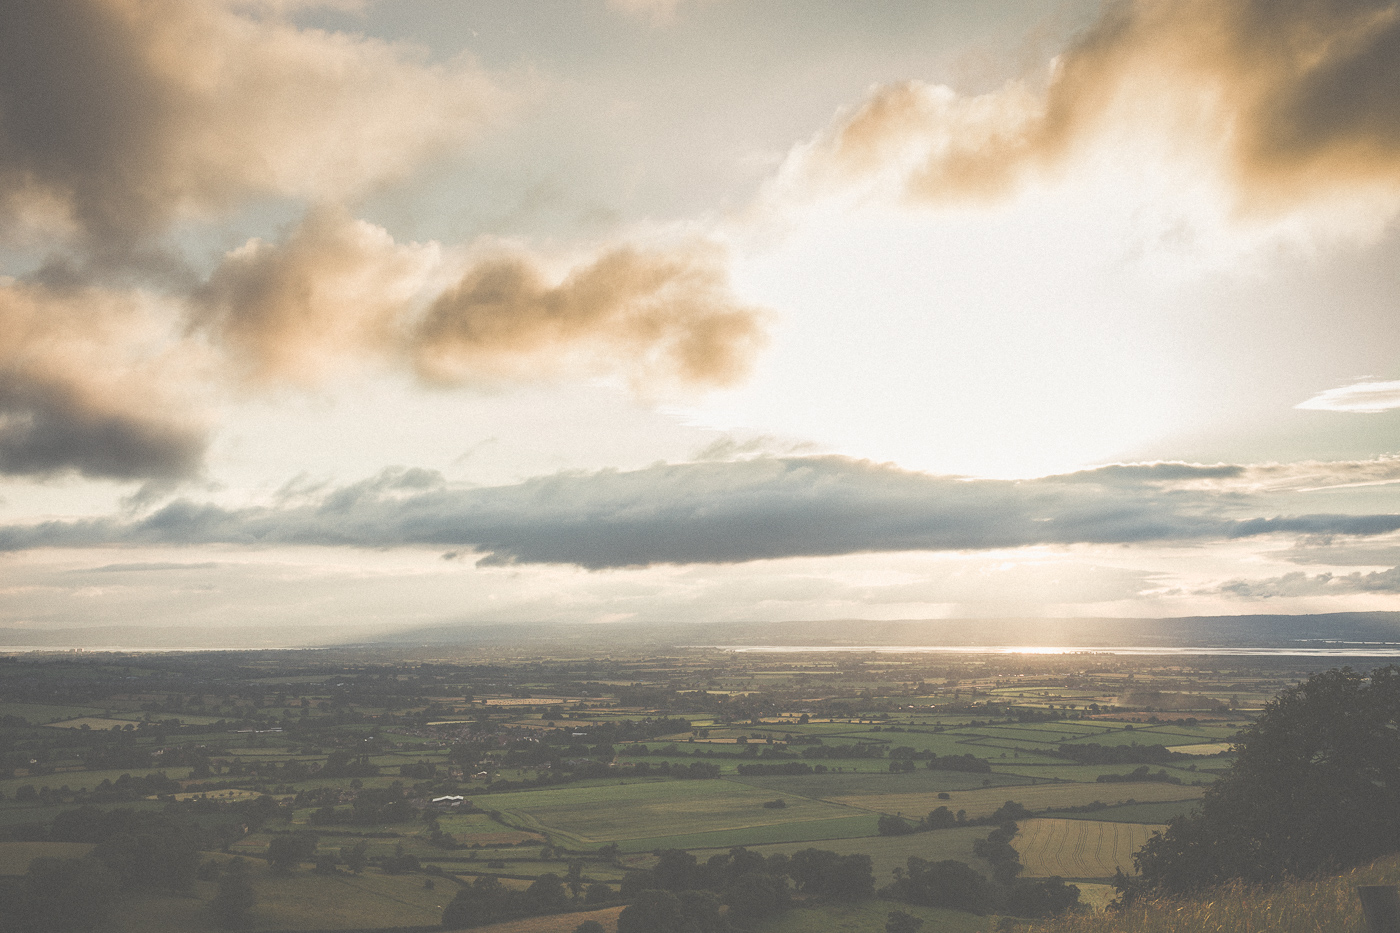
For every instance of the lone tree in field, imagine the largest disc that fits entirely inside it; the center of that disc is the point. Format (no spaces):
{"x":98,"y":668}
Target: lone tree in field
{"x":1315,"y":787}
{"x":285,"y":852}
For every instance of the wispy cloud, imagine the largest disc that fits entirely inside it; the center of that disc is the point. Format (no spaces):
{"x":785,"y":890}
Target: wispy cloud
{"x":1364,"y":397}
{"x":727,"y":512}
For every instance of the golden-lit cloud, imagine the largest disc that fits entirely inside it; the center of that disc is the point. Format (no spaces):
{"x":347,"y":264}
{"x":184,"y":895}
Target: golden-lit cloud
{"x":657,"y":316}
{"x":340,"y":291}
{"x":1294,"y":100}
{"x":88,"y":384}
{"x":119,"y":116}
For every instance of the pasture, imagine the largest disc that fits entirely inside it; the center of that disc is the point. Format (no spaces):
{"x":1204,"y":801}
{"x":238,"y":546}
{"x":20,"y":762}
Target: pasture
{"x":637,"y":816}
{"x":831,"y":786}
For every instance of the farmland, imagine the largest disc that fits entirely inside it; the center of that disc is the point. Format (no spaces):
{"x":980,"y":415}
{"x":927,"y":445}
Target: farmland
{"x":588,"y":768}
{"x":1079,"y":848}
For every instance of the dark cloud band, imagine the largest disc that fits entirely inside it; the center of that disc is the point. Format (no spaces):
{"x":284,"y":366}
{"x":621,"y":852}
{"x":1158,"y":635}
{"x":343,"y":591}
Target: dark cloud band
{"x":711,"y":513}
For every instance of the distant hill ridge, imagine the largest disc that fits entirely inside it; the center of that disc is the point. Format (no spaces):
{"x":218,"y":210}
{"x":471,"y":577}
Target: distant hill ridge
{"x":1242,"y":631}
{"x":1252,"y":631}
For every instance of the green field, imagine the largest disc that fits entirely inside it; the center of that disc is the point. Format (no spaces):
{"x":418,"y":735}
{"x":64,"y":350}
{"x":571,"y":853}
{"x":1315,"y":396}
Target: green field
{"x":846,"y":784}
{"x":1144,"y":735}
{"x":39,"y":713}
{"x":635,"y":815}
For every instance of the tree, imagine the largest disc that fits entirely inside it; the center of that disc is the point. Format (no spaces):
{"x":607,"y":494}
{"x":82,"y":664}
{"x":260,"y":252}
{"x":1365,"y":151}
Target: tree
{"x":286,"y":851}
{"x":355,"y":857}
{"x":675,"y":870}
{"x":668,"y":912}
{"x":1040,"y":899}
{"x":1315,"y":787}
{"x":940,"y":818}
{"x":590,"y":926}
{"x":755,"y":895}
{"x":948,"y":883}
{"x":843,"y":877}
{"x":235,"y":896}
{"x":889,"y":825}
{"x":546,"y":894}
{"x":900,"y":922}
{"x":653,"y":911}
{"x":483,"y":901}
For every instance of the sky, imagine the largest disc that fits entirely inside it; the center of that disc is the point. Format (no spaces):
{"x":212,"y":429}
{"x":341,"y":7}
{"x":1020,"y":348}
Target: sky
{"x":321,"y":318}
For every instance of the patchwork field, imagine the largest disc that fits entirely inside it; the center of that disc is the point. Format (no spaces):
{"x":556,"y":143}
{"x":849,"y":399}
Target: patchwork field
{"x":1079,"y":848}
{"x":564,"y":757}
{"x":979,"y":803}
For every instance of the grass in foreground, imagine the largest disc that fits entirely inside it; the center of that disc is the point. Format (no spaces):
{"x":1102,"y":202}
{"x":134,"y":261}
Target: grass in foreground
{"x":1326,"y":904}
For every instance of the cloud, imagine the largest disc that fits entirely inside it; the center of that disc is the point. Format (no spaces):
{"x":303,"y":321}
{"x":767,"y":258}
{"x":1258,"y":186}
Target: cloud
{"x":1322,"y":584}
{"x":121,"y":118}
{"x":340,"y":291}
{"x":660,"y":315}
{"x":105,"y":381}
{"x":84,"y":388}
{"x":1365,"y":397}
{"x":1295,"y":100}
{"x":118,"y":116}
{"x":336,"y":289}
{"x":717,"y":513}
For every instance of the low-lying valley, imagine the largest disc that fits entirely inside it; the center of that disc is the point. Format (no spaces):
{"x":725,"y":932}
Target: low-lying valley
{"x":359,"y":789}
